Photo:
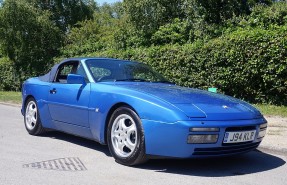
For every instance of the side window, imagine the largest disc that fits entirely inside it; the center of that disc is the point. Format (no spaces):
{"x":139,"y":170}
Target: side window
{"x":64,"y":70}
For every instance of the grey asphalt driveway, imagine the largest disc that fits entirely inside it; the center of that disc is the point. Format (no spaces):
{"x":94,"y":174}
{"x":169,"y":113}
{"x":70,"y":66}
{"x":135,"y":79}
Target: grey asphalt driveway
{"x":58,"y":158}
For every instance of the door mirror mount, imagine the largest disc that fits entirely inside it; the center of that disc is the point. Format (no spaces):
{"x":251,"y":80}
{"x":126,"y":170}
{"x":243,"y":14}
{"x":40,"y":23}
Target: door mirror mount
{"x":76,"y":79}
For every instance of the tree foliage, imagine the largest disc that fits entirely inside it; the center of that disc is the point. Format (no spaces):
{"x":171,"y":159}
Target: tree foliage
{"x":244,"y":56}
{"x":28,"y":37}
{"x":238,"y":46}
{"x":175,"y":32}
{"x":66,"y":13}
{"x":95,"y":34}
{"x":148,"y":15}
{"x":249,"y":64}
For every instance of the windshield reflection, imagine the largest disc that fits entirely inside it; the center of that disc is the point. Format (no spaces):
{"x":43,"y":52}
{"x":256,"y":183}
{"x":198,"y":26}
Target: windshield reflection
{"x":104,"y":70}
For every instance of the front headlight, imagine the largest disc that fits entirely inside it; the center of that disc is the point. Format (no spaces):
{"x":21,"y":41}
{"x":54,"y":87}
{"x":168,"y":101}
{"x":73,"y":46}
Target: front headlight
{"x":203,"y":129}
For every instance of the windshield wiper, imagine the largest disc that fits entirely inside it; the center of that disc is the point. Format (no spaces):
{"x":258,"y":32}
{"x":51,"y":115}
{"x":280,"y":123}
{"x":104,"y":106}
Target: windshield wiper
{"x":164,"y":81}
{"x":132,"y":80}
{"x":143,"y":80}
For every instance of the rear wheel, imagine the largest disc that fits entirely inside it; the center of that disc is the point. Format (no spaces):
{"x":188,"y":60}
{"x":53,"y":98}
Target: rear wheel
{"x":126,"y":137}
{"x":32,"y":118}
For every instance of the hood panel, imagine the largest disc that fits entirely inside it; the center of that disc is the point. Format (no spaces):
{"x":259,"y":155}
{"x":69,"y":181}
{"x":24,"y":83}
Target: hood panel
{"x":198,"y":103}
{"x":180,"y":95}
{"x":234,"y":111}
{"x":191,"y":111}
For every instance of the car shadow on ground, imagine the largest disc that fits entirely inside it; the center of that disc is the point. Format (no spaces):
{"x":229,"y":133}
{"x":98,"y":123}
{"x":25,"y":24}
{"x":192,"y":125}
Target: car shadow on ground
{"x":252,"y":162}
{"x":78,"y":141}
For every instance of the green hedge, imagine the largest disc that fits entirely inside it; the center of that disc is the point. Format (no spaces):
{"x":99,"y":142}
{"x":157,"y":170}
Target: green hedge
{"x":11,"y":76}
{"x":250,"y":64}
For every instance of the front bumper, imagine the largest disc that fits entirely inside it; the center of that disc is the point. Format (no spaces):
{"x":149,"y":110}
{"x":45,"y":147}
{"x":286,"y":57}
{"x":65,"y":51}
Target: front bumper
{"x":170,"y":139}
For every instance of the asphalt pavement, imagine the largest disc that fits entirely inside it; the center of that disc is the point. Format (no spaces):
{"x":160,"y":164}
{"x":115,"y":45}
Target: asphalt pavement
{"x":57,"y":158}
{"x":276,"y":137}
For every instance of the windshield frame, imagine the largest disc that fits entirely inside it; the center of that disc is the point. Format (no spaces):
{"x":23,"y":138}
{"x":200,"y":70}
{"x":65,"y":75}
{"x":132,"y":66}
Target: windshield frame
{"x":118,"y":69}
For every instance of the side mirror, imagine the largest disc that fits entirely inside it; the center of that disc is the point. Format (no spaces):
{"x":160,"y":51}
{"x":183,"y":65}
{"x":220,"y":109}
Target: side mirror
{"x":75,"y":79}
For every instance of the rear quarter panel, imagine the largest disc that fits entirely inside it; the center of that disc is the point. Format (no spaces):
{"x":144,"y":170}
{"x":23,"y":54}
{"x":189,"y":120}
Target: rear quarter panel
{"x":39,"y":90}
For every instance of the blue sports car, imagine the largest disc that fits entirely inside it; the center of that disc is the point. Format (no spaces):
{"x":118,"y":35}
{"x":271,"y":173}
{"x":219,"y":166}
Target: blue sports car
{"x":137,"y":112}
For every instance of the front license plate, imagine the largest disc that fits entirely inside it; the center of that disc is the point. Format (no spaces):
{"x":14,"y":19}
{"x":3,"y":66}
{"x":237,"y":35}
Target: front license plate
{"x":238,"y":137}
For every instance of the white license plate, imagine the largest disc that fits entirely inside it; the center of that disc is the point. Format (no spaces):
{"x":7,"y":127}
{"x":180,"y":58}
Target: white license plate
{"x":238,"y":137}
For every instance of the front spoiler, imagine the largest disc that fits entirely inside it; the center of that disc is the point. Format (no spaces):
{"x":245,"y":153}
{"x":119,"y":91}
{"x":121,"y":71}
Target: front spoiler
{"x":170,"y":139}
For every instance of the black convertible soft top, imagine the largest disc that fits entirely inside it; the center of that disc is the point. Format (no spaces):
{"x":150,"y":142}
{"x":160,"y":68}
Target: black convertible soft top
{"x":50,"y":76}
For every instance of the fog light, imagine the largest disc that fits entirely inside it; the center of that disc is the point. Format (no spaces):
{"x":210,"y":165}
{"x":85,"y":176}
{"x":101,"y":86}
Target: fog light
{"x":197,"y":139}
{"x":204,"y":129}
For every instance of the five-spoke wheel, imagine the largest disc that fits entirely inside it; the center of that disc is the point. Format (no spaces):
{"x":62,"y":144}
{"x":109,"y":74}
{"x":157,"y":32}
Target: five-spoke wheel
{"x":32,"y":119}
{"x":126,"y":137}
{"x":31,"y":115}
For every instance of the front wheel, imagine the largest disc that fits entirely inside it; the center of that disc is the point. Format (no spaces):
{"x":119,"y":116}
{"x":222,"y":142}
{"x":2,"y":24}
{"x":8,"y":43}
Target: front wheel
{"x":125,"y":137}
{"x":32,"y":118}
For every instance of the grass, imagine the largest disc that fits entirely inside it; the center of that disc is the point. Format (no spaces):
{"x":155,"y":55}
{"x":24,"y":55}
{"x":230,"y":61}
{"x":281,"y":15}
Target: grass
{"x":15,"y":97}
{"x":272,"y":110}
{"x":10,"y":97}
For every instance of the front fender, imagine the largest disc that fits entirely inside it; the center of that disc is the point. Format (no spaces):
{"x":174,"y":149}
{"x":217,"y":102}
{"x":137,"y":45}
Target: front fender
{"x":148,"y":107}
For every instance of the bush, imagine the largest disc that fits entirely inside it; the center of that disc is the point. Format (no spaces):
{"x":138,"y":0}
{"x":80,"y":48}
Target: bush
{"x":245,"y":57}
{"x":28,"y":37}
{"x":266,"y":17}
{"x":247,"y":64}
{"x":269,"y":16}
{"x":10,"y":79}
{"x":172,"y":33}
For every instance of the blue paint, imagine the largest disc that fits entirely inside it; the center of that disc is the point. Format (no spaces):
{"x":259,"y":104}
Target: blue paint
{"x":167,"y":111}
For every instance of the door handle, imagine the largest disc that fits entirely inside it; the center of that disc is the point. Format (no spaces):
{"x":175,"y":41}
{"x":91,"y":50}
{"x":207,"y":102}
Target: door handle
{"x":53,"y":91}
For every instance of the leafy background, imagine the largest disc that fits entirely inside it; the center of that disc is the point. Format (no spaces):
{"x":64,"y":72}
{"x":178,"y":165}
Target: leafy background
{"x":240,"y":47}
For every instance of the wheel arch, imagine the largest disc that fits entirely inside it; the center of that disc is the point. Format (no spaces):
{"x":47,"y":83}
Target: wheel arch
{"x":110,"y":112}
{"x":25,"y":101}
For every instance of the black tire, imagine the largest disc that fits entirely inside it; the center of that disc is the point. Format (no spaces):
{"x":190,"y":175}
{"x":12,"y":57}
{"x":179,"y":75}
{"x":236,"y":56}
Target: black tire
{"x":33,"y":127}
{"x":134,"y":136}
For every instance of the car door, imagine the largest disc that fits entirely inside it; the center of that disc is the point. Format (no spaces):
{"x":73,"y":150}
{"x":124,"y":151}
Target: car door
{"x":68,"y":103}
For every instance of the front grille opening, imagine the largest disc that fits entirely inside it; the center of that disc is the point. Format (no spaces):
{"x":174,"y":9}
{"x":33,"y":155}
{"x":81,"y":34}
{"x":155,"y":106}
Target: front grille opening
{"x":225,"y":150}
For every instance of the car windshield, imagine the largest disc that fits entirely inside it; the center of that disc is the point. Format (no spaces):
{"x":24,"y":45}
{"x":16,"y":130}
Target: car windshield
{"x":121,"y":70}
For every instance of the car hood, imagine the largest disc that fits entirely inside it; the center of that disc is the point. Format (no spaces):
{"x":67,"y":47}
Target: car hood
{"x":197,"y":103}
